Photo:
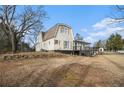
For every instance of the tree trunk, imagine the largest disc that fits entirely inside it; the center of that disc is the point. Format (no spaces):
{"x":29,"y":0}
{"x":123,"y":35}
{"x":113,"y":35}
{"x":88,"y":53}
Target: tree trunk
{"x":14,"y":44}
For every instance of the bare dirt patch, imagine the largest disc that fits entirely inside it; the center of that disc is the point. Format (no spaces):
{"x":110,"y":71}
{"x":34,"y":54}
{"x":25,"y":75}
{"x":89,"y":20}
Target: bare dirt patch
{"x":102,"y":70}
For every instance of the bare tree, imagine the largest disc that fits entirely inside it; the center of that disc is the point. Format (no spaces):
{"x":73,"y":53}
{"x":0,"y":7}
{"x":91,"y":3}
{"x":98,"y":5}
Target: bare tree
{"x":33,"y":39}
{"x":78,"y":37}
{"x":17,"y":21}
{"x":118,"y":14}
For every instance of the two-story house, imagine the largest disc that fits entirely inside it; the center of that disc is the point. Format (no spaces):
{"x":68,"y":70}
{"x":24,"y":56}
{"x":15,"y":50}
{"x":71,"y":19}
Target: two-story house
{"x":59,"y":37}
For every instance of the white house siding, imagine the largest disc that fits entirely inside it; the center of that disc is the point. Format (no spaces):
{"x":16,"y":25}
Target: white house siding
{"x":61,"y":37}
{"x":39,"y":42}
{"x":64,"y":36}
{"x":48,"y":44}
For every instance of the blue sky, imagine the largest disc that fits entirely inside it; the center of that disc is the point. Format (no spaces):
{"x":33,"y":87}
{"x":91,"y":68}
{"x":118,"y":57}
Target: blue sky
{"x":76,"y":16}
{"x":89,"y":21}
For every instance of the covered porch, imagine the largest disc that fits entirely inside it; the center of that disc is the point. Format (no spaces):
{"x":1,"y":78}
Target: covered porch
{"x":80,"y":45}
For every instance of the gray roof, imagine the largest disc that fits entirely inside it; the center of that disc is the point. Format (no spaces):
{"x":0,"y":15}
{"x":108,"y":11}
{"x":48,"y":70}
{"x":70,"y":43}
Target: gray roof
{"x":52,"y":31}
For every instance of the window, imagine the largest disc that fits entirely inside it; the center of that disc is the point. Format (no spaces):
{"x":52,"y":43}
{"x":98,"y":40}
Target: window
{"x":56,"y":41}
{"x":64,"y":29}
{"x":66,"y":44}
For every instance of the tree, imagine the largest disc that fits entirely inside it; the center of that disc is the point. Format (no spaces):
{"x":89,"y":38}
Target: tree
{"x":123,"y":44}
{"x":33,"y":39}
{"x":23,"y":46}
{"x":110,"y":43}
{"x":114,"y":42}
{"x":118,"y":42}
{"x":78,"y":37}
{"x":5,"y":45}
{"x":17,"y":21}
{"x":98,"y":44}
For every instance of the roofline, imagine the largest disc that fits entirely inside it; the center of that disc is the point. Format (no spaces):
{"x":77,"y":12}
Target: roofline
{"x":64,"y":25}
{"x":81,"y":42}
{"x":57,"y":25}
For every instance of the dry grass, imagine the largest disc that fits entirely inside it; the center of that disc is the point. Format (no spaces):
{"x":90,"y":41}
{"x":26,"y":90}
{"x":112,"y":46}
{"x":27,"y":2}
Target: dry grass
{"x":103,"y":70}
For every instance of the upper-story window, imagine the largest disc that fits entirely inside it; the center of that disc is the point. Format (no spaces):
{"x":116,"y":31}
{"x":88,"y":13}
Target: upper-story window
{"x":64,"y":29}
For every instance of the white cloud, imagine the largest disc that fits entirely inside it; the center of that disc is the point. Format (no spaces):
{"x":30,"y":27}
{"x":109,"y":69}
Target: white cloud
{"x":106,"y":32}
{"x":103,"y":23}
{"x":84,"y":30}
{"x":102,"y":30}
{"x":90,"y":39}
{"x":111,"y":30}
{"x":100,"y":33}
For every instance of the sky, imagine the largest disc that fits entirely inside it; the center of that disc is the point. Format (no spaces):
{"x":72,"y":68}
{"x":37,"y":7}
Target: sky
{"x":92,"y":22}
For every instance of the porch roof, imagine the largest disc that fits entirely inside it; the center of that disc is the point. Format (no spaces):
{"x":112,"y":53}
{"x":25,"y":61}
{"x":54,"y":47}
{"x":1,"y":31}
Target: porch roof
{"x":82,"y":42}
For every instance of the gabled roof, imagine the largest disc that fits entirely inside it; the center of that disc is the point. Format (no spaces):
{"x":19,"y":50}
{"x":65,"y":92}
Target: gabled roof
{"x":51,"y":33}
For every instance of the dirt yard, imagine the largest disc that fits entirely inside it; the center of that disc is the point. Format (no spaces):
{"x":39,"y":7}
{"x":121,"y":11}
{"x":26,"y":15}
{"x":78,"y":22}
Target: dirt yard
{"x":102,"y":70}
